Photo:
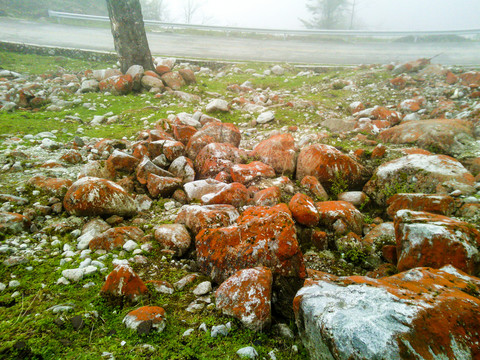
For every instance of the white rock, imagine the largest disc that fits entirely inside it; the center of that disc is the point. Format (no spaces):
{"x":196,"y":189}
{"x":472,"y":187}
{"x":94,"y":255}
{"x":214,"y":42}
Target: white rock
{"x":203,"y":288}
{"x":2,"y":286}
{"x":217,"y":105}
{"x":278,"y":70}
{"x":130,"y":245}
{"x":14,"y":283}
{"x":73,"y":274}
{"x":219,"y":330}
{"x":248,"y":352}
{"x":63,"y":281}
{"x":188,"y":332}
{"x":265,"y":117}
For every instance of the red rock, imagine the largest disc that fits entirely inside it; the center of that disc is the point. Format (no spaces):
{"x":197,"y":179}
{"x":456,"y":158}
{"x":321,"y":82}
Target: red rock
{"x":312,"y":184}
{"x":121,"y":161}
{"x":268,"y":197}
{"x":53,"y":186}
{"x":224,"y":177}
{"x":438,"y":204}
{"x":382,"y":113}
{"x":470,"y":78}
{"x":72,"y":157}
{"x":183,"y":133}
{"x":117,"y":85}
{"x":389,"y":253}
{"x":173,"y":80}
{"x":451,"y":78}
{"x":171,"y":149}
{"x":333,"y":211}
{"x":303,"y":210}
{"x":146,"y":167}
{"x":443,"y":107}
{"x":217,"y":157}
{"x":188,"y":75}
{"x":425,"y":239}
{"x":115,"y":238}
{"x":123,"y":285}
{"x":247,"y":173}
{"x":12,"y":223}
{"x":262,"y":236}
{"x":399,"y":82}
{"x":213,"y":132}
{"x":155,"y":315}
{"x":91,"y":196}
{"x":320,"y":239}
{"x":173,"y":237}
{"x":151,"y":73}
{"x":426,"y":314}
{"x":277,"y":151}
{"x":196,"y":217}
{"x":162,"y":69}
{"x":162,"y":186}
{"x":328,"y":164}
{"x":439,"y":134}
{"x":235,"y":194}
{"x":379,"y":151}
{"x":246,"y":295}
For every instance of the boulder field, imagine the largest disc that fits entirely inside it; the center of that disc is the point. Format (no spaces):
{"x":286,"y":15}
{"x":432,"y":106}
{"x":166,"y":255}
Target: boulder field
{"x":363,"y":230}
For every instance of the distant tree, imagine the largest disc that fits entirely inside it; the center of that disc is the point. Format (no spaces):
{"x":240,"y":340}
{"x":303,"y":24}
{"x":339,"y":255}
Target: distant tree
{"x":326,"y":14}
{"x":128,"y":32}
{"x":190,"y":8}
{"x":155,"y":9}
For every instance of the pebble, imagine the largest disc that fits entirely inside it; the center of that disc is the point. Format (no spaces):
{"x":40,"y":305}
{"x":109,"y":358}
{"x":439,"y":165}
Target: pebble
{"x":188,"y":332}
{"x":203,"y":288}
{"x":14,"y":283}
{"x":219,"y":330}
{"x":248,"y":352}
{"x":74,"y":274}
{"x":130,"y":245}
{"x":2,"y":286}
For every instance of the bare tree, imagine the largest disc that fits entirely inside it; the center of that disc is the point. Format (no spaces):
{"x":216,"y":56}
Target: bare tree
{"x":326,"y":14}
{"x":128,"y":32}
{"x":190,"y":8}
{"x":155,"y":10}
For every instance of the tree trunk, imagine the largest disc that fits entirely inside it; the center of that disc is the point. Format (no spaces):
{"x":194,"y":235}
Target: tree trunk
{"x":128,"y":32}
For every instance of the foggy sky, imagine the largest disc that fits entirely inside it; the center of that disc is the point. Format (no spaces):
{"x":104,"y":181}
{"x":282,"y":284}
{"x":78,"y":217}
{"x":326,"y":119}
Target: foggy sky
{"x":370,"y":14}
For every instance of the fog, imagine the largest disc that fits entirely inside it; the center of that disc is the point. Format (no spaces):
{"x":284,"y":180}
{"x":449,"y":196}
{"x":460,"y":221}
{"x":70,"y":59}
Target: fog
{"x":369,"y":14}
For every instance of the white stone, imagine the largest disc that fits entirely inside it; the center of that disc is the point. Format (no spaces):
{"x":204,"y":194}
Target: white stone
{"x":203,"y":288}
{"x":2,"y":286}
{"x":265,"y":117}
{"x":278,"y":70}
{"x":248,"y":352}
{"x":217,"y":105}
{"x":219,"y":330}
{"x":188,"y":332}
{"x":130,"y":245}
{"x":73,"y":274}
{"x":14,"y":283}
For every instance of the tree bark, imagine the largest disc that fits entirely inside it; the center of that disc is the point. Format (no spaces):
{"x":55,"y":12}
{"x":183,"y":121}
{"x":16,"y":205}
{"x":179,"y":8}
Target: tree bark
{"x":128,"y":32}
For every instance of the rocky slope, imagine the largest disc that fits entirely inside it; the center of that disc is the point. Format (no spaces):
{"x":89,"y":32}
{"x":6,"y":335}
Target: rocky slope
{"x":358,"y":218}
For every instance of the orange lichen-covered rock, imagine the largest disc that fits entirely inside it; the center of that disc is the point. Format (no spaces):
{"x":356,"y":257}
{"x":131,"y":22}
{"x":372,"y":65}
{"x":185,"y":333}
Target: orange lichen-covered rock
{"x":422,"y":313}
{"x":121,"y":161}
{"x":182,"y":132}
{"x":117,"y":85}
{"x":277,"y":151}
{"x":196,"y":217}
{"x":326,"y":163}
{"x":91,"y":196}
{"x":312,"y":184}
{"x":332,"y":212}
{"x":438,"y":204}
{"x":268,"y":197}
{"x":440,"y":134}
{"x":115,"y":238}
{"x":246,"y":295}
{"x":100,"y":169}
{"x":262,"y":236}
{"x":162,"y":186}
{"x":425,"y":239}
{"x":146,"y":167}
{"x":53,"y":186}
{"x":235,"y":194}
{"x":421,"y":173}
{"x":173,"y":80}
{"x":183,"y":168}
{"x":123,"y":285}
{"x":154,"y":315}
{"x":247,"y":173}
{"x":213,"y":132}
{"x":72,"y":157}
{"x":382,"y":113}
{"x":303,"y":210}
{"x":470,"y":78}
{"x":217,"y":157}
{"x":188,"y":75}
{"x":173,"y":237}
{"x":12,"y":223}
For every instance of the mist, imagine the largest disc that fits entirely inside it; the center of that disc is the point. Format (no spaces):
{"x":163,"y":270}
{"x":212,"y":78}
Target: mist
{"x":399,"y":15}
